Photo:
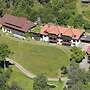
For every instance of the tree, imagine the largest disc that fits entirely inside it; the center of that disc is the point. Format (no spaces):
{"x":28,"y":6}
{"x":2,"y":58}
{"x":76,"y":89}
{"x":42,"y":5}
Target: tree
{"x":2,"y":7}
{"x":4,"y":53}
{"x":43,"y":1}
{"x":77,"y":78}
{"x":5,"y":73}
{"x":77,"y":54}
{"x":86,"y":25}
{"x":78,"y":22}
{"x":4,"y":77}
{"x":63,"y":10}
{"x":40,"y":83}
{"x":63,"y":70}
{"x":22,"y":8}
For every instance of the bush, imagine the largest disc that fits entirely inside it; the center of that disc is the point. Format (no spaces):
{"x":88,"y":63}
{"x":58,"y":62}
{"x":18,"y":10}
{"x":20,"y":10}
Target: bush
{"x":63,"y":70}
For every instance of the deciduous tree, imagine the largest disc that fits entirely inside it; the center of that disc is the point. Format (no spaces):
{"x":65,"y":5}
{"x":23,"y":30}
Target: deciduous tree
{"x":77,"y":54}
{"x":40,"y":83}
{"x":4,"y":53}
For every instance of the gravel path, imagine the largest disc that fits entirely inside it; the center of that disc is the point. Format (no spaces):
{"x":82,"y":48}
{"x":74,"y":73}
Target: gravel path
{"x":29,"y":74}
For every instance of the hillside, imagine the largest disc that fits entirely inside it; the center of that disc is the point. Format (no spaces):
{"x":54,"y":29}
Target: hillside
{"x":37,"y":57}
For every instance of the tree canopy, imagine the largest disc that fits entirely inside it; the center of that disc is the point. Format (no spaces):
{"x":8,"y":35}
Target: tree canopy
{"x":6,"y":73}
{"x":77,"y":54}
{"x":61,"y":12}
{"x":40,"y":83}
{"x":78,"y":79}
{"x":4,"y":51}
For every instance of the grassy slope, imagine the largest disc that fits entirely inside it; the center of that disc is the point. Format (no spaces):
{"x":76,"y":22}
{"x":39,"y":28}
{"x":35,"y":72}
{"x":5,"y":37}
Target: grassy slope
{"x":27,"y":83}
{"x":59,"y":86}
{"x":20,"y":79}
{"x":36,"y":57}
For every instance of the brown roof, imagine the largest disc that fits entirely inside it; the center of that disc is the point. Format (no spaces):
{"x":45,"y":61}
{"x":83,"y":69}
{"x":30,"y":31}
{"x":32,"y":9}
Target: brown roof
{"x":20,"y":23}
{"x":58,"y":30}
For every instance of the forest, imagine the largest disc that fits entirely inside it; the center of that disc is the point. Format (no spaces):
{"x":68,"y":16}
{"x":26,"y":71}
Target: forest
{"x":62,"y":12}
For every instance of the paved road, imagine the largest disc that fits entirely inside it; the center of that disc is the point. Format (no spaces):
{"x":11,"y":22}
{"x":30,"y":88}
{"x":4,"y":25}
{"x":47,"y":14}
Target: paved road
{"x":28,"y":73}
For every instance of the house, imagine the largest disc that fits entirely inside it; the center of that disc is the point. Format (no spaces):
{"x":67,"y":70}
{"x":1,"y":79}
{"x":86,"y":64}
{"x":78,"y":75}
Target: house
{"x":61,"y":34}
{"x":18,"y":26}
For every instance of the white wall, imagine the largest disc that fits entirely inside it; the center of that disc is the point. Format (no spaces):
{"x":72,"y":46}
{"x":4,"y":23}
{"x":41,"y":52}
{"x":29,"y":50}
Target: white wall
{"x":45,"y":38}
{"x":59,"y":42}
{"x":32,"y":38}
{"x":5,"y":30}
{"x":76,"y":43}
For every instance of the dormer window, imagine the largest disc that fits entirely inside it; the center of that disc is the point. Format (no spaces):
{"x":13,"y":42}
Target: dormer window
{"x":74,"y":35}
{"x":61,"y":34}
{"x":45,"y":31}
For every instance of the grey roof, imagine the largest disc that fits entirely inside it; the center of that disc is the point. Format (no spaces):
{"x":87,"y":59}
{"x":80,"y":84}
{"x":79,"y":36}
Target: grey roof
{"x":85,"y":38}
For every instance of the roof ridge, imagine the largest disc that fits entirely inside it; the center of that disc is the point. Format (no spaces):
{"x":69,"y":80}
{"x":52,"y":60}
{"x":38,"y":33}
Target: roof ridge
{"x":65,"y":30}
{"x":72,"y":31}
{"x":58,"y":29}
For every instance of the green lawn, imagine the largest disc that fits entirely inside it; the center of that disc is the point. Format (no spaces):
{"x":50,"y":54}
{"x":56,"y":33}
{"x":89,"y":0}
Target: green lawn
{"x":38,"y":57}
{"x":26,"y":83}
{"x":86,"y":87}
{"x":59,"y":86}
{"x":20,"y":79}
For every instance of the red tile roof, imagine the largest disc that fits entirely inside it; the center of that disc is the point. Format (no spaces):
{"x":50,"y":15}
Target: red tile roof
{"x":58,"y":30}
{"x":87,"y":49}
{"x":20,"y":23}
